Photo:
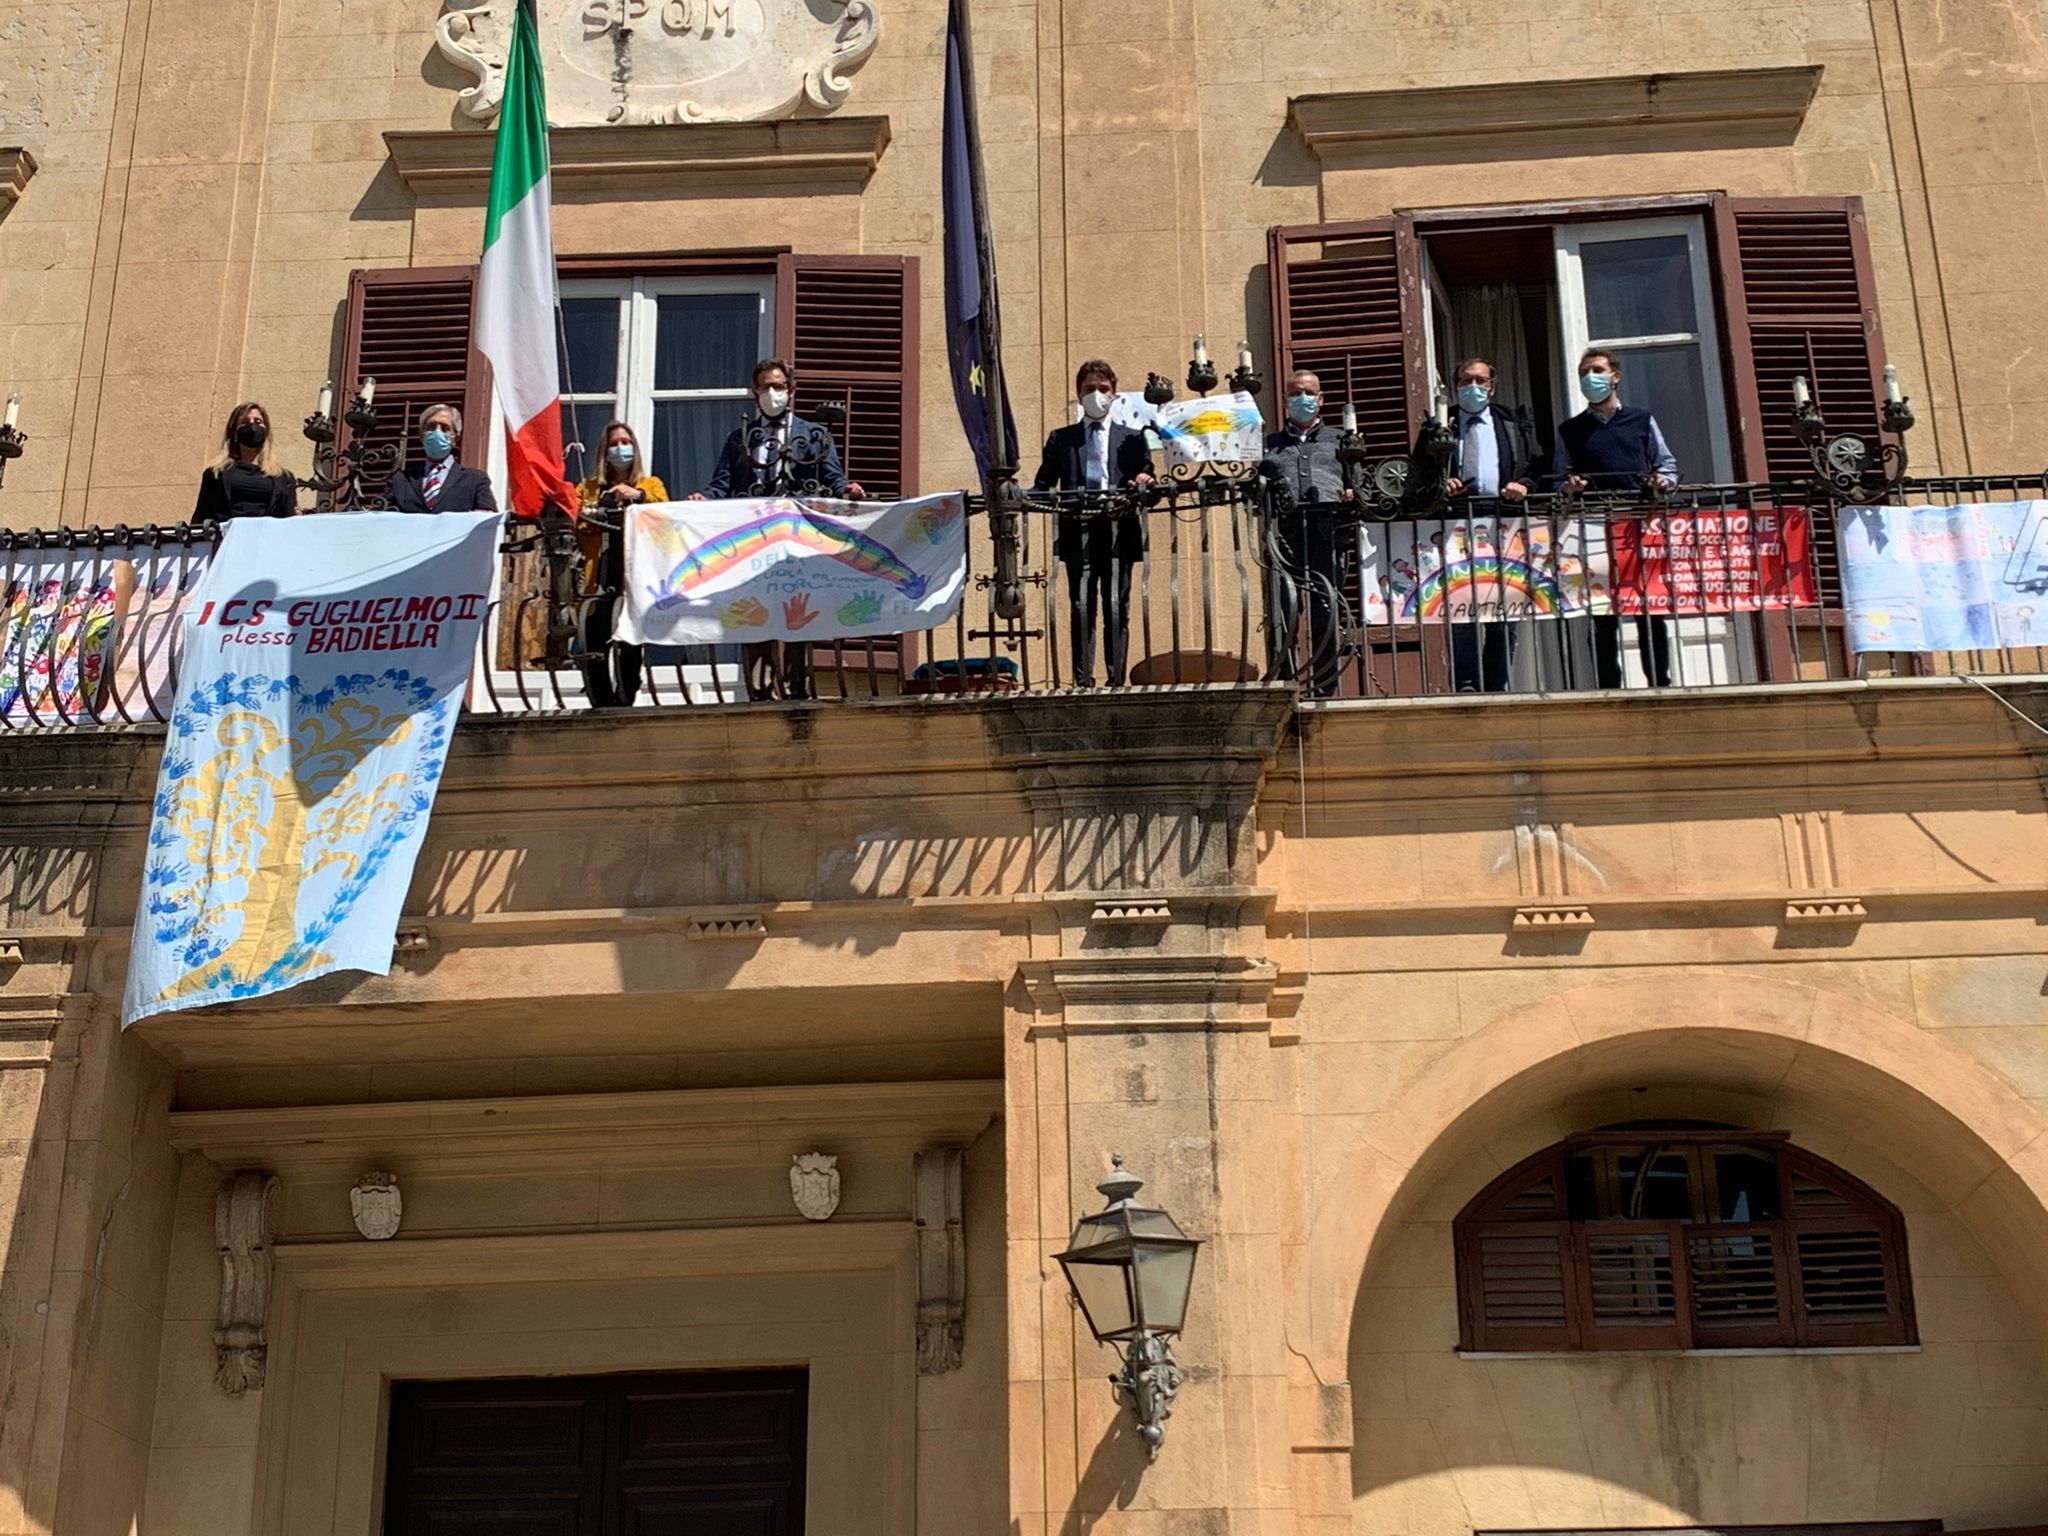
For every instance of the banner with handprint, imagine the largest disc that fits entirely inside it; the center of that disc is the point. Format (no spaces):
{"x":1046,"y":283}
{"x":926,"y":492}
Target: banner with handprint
{"x":776,"y":568}
{"x":324,"y":662}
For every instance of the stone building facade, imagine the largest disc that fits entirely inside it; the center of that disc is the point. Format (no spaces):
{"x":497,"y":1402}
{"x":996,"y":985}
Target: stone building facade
{"x":1330,"y":977}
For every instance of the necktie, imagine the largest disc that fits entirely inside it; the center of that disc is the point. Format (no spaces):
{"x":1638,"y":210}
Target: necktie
{"x":432,"y":489}
{"x":1095,"y":466}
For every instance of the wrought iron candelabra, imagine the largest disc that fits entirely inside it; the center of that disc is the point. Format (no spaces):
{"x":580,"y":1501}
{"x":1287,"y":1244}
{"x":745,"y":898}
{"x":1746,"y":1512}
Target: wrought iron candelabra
{"x":12,"y":438}
{"x":1845,"y":466}
{"x":339,"y":474}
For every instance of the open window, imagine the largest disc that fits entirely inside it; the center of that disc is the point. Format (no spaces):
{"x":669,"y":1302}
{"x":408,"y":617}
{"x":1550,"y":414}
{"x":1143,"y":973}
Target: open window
{"x":1712,"y":305}
{"x":1680,"y":1237}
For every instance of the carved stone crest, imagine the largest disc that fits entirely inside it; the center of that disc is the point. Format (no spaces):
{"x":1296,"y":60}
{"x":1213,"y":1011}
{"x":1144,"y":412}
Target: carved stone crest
{"x":377,"y":1206}
{"x":814,"y":1184}
{"x":667,"y":61}
{"x":244,"y":1217}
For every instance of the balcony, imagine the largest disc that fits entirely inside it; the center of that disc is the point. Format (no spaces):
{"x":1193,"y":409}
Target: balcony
{"x":1490,"y":600}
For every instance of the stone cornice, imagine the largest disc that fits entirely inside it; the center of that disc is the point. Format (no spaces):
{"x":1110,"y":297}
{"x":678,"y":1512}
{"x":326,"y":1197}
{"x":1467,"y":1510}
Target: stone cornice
{"x":17,"y":165}
{"x":1526,"y":118}
{"x":676,"y":157}
{"x":661,"y":1129}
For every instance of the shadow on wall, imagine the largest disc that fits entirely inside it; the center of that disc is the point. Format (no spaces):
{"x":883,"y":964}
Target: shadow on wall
{"x":1954,"y":1429}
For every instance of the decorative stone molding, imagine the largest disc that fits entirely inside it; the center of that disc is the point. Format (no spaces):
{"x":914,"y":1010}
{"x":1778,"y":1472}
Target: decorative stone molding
{"x":1831,"y":911}
{"x":737,"y":926}
{"x":411,"y":941}
{"x":377,"y":1206}
{"x":17,"y":165}
{"x":1553,"y":917}
{"x":936,"y":1206}
{"x":838,"y":152}
{"x":814,"y":1184}
{"x":1136,"y":913}
{"x":1454,"y":124}
{"x":667,"y":61}
{"x":244,"y":1224}
{"x":10,"y":952}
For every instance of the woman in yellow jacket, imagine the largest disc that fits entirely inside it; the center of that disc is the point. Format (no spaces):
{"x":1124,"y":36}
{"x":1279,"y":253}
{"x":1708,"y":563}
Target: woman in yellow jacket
{"x":611,"y":672}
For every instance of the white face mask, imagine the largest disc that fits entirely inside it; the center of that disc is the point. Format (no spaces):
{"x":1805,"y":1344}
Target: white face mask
{"x":773,"y":401}
{"x":1095,"y":404}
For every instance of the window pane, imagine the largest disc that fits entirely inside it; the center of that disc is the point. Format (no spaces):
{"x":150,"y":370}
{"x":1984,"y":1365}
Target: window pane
{"x":687,"y":437}
{"x":706,"y":340}
{"x":1638,"y":287}
{"x":584,"y":423}
{"x":1746,"y":1184}
{"x":1662,"y":1193}
{"x":590,"y":331}
{"x":1670,"y":384}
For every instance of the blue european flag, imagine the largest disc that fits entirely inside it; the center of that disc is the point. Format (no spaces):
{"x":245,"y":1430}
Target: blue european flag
{"x":966,"y":240}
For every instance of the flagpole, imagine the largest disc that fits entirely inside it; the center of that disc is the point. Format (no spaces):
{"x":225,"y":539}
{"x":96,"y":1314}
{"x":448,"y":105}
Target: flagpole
{"x":1001,"y":451}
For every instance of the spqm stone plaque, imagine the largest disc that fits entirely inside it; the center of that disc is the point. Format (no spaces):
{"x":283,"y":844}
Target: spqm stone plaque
{"x":668,"y":61}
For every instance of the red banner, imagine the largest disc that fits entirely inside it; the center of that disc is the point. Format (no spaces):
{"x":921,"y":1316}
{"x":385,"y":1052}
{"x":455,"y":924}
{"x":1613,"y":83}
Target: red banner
{"x":1692,"y":563}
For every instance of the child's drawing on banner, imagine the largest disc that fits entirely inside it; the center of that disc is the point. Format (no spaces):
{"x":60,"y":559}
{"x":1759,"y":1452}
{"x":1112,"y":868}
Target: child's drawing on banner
{"x":1485,"y":568}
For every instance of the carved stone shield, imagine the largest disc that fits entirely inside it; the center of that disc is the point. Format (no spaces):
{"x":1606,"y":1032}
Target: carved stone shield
{"x":814,"y":1184}
{"x":377,"y":1206}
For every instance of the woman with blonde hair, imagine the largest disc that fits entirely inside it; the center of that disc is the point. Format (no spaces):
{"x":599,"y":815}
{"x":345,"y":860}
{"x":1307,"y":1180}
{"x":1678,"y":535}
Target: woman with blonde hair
{"x":245,"y":481}
{"x":611,"y":672}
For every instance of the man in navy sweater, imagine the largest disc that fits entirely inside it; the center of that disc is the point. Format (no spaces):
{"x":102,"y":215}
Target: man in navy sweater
{"x":1615,"y":447}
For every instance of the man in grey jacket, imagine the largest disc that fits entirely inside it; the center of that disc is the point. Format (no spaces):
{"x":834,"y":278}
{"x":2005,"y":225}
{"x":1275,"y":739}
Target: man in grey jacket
{"x":1303,"y":545}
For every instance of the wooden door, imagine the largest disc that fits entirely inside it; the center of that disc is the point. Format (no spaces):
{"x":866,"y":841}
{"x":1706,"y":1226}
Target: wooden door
{"x":688,"y":1454}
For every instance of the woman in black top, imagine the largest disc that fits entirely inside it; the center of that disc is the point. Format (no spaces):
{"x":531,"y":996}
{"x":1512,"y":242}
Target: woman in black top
{"x":246,"y":482}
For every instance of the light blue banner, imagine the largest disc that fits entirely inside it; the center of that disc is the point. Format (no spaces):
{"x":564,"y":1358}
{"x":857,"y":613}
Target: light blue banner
{"x":1966,"y":578}
{"x":324,"y":663}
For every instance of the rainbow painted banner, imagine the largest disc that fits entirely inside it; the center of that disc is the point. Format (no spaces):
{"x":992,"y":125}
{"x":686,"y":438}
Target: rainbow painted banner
{"x":1485,"y":569}
{"x":775,"y":568}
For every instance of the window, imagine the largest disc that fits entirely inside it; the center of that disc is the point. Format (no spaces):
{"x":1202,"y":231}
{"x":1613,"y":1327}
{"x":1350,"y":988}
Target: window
{"x":1680,"y":1238}
{"x":670,"y":356}
{"x":1713,"y":305}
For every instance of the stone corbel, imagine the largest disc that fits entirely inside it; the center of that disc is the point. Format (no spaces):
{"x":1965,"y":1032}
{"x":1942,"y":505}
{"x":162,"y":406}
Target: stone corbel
{"x":941,"y":1259}
{"x":244,"y":1221}
{"x":17,"y":165}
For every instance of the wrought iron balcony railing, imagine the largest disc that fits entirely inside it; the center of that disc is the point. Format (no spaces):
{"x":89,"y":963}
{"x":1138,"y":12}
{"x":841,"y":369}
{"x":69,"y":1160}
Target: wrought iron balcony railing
{"x":1480,"y":598}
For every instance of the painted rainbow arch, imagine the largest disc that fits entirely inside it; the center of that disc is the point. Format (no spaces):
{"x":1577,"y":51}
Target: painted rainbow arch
{"x":1488,"y":579}
{"x":812,"y":532}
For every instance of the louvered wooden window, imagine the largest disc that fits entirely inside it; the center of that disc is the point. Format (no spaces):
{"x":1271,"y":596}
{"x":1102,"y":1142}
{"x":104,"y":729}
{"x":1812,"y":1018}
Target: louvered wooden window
{"x":409,"y":329}
{"x":849,"y":327}
{"x":1347,"y":306}
{"x":1798,"y":299}
{"x":1680,"y":1239}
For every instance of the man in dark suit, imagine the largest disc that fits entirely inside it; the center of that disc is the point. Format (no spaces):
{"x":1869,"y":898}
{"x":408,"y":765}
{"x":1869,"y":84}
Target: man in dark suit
{"x":1489,"y":461}
{"x":776,"y":452}
{"x":437,"y":483}
{"x":1097,"y":454}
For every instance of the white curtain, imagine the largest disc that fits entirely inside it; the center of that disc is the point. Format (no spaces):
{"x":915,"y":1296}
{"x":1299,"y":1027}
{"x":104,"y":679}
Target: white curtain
{"x":1487,"y":322}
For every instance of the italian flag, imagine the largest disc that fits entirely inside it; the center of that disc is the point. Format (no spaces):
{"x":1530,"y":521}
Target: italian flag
{"x":516,"y":298}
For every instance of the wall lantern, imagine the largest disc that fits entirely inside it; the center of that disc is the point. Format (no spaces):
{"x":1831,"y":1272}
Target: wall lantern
{"x":1131,"y":1268}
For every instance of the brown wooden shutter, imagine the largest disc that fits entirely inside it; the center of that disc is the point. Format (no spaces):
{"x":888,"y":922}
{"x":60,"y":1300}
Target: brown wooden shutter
{"x":1518,"y":1277}
{"x":1800,"y":299}
{"x":849,"y":327}
{"x":409,"y":328}
{"x":1347,"y":305}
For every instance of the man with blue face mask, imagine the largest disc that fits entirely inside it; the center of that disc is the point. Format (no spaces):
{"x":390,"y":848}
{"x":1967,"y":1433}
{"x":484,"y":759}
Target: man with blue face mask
{"x":1489,"y":461}
{"x":1311,"y":519}
{"x":436,"y":482}
{"x":1615,"y":447}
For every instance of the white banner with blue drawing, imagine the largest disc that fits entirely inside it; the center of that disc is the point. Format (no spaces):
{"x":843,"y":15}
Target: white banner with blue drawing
{"x":1963,"y":578}
{"x":777,"y":568}
{"x":324,"y":660}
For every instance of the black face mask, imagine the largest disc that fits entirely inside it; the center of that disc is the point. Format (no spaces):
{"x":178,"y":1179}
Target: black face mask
{"x":252,"y":434}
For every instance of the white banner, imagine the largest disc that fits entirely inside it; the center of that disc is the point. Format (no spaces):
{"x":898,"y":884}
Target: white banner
{"x":775,"y":568}
{"x":1486,"y":568}
{"x":324,"y":663}
{"x":1965,"y":578}
{"x":1216,"y":429}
